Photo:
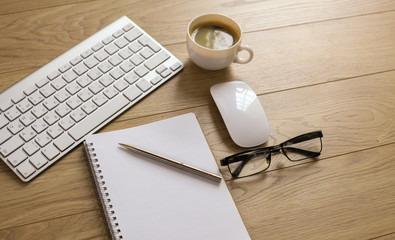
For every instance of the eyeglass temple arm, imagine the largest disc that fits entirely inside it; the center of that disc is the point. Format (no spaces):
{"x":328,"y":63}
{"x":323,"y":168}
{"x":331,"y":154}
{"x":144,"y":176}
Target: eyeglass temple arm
{"x":245,"y":157}
{"x":303,"y":152}
{"x":304,"y":137}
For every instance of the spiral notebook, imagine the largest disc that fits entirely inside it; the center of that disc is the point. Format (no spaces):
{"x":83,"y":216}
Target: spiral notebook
{"x":145,"y":199}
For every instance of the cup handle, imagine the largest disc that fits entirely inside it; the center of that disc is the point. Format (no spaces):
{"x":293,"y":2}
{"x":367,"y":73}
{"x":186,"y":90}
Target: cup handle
{"x":244,"y":60}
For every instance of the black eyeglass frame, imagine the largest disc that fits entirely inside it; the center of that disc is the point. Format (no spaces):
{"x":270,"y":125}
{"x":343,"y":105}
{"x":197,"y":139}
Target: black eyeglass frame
{"x":246,"y":156}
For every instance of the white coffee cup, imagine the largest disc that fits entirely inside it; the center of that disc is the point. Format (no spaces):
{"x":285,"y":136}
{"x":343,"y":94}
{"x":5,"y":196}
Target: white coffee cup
{"x":216,"y":59}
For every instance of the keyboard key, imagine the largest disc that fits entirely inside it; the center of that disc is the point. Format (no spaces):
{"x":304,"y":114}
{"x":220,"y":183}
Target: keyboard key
{"x":51,"y":118}
{"x":26,"y":169}
{"x":106,"y":80}
{"x":3,"y":121}
{"x":50,"y":152}
{"x":155,"y":80}
{"x":39,"y":111}
{"x":66,"y":123}
{"x":97,"y":46}
{"x":38,"y":160}
{"x":146,"y":53}
{"x":117,"y":33}
{"x":59,"y":83}
{"x":110,"y":92}
{"x":115,"y":60}
{"x":175,"y":66}
{"x":95,"y":87}
{"x":28,"y":134}
{"x":105,"y":67}
{"x":99,"y":100}
{"x":121,"y":42}
{"x":89,"y":107}
{"x":42,"y":82}
{"x":76,"y":60}
{"x":135,"y":47}
{"x":50,"y":104}
{"x":97,"y":117}
{"x":156,"y":60}
{"x":15,"y":127}
{"x":133,"y":34}
{"x":55,"y":131}
{"x":5,"y":134}
{"x":131,"y":78}
{"x":18,"y":97}
{"x":125,"y":53}
{"x":65,"y":67}
{"x":165,"y":73}
{"x":62,"y":95}
{"x":95,"y":74}
{"x":17,"y":157}
{"x":108,"y":39}
{"x":121,"y":85}
{"x":30,"y":148}
{"x":63,"y":110}
{"x":73,"y":88}
{"x":86,"y":53}
{"x":127,"y":66}
{"x":81,"y":68}
{"x":84,"y":81}
{"x":6,"y":105}
{"x":92,"y":61}
{"x":24,"y":106}
{"x":78,"y":115}
{"x":101,"y":55}
{"x":11,"y":145}
{"x":70,"y":76}
{"x":132,"y":93}
{"x":161,"y":68}
{"x":47,"y":90}
{"x":63,"y":142}
{"x":74,"y":102}
{"x":12,"y":113}
{"x":39,"y":126}
{"x":128,"y":27}
{"x":27,"y":119}
{"x":85,"y":95}
{"x":137,"y":59}
{"x":117,"y":73}
{"x":143,"y":85}
{"x":111,"y":49}
{"x":27,"y":91}
{"x":43,"y":139}
{"x":146,"y":41}
{"x":53,"y":75}
{"x":141,"y":71}
{"x":36,"y":98}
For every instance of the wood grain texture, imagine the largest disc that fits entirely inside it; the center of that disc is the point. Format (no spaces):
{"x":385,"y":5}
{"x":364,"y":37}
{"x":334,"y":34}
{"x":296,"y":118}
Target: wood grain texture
{"x":360,"y":124}
{"x":346,"y":197}
{"x":26,"y":34}
{"x":325,"y":65}
{"x":88,"y":225}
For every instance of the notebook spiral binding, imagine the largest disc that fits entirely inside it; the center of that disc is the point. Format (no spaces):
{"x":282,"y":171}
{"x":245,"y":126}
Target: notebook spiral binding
{"x":102,"y":191}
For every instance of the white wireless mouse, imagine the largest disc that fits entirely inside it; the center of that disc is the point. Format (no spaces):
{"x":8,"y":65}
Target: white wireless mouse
{"x":242,"y":113}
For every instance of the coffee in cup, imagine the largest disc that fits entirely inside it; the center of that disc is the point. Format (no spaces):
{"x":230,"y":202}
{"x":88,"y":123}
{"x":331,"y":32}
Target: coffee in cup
{"x":215,"y":35}
{"x":214,"y":41}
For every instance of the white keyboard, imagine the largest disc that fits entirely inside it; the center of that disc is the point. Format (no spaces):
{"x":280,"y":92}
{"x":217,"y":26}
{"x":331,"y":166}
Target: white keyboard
{"x":49,"y":112}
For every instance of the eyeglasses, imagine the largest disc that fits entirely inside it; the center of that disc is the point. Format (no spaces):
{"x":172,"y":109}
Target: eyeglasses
{"x":251,"y":162}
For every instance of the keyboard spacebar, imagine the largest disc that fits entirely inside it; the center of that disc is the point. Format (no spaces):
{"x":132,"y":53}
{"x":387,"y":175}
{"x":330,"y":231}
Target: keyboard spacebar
{"x":97,"y":117}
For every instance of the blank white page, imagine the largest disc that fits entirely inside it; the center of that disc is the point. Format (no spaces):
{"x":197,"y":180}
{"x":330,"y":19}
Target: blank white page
{"x":152,"y":200}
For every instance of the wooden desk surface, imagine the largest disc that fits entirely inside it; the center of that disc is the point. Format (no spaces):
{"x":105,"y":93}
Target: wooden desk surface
{"x":326,"y":65}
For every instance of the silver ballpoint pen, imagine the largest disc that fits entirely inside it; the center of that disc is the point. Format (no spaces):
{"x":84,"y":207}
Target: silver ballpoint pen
{"x":173,"y":163}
